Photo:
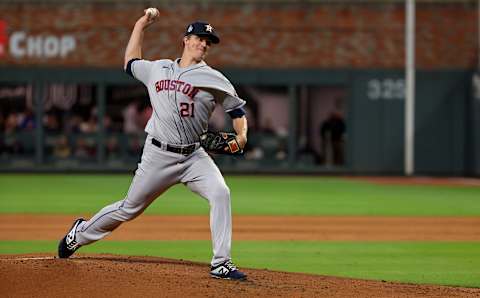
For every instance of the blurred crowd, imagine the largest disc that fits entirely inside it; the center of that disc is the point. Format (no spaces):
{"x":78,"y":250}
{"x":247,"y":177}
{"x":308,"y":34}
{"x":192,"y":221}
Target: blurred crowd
{"x":71,"y":129}
{"x":74,"y":133}
{"x":10,"y":125}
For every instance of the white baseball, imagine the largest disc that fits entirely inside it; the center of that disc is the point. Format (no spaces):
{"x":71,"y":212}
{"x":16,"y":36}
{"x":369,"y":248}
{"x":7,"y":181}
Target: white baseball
{"x":152,"y":12}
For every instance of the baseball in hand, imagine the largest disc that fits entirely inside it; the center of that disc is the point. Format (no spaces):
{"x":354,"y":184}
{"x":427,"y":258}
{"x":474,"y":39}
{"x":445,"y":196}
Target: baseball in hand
{"x":152,"y":12}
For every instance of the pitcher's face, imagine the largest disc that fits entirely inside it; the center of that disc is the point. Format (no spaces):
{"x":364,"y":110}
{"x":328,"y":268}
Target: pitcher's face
{"x":196,"y":46}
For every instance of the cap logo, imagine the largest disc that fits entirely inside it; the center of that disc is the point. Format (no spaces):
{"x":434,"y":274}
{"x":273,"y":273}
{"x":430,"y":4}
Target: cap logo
{"x":190,"y":28}
{"x":208,"y":28}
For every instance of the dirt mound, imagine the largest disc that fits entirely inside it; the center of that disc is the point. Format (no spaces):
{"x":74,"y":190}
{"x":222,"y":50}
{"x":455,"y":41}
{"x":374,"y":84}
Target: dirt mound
{"x":123,"y":276}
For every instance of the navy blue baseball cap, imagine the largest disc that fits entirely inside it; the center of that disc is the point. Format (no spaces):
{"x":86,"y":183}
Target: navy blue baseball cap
{"x":202,"y":29}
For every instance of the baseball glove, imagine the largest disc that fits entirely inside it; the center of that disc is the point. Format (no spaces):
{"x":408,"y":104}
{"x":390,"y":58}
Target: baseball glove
{"x":220,"y":142}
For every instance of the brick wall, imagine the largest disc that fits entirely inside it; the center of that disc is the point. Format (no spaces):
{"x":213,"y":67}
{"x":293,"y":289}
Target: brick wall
{"x":254,"y":35}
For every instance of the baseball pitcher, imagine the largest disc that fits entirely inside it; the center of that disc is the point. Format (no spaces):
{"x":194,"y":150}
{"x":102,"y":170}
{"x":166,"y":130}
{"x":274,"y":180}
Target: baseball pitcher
{"x":183,"y":94}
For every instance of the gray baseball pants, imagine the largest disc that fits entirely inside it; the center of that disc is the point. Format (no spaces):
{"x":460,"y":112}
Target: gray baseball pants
{"x":157,"y":171}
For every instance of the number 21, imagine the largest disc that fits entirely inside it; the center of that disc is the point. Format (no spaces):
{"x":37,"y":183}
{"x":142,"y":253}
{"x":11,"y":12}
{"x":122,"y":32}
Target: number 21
{"x":186,"y":109}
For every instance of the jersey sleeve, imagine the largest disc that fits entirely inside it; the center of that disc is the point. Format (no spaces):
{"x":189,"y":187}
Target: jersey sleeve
{"x":231,"y":103}
{"x":228,"y":102}
{"x":141,"y":70}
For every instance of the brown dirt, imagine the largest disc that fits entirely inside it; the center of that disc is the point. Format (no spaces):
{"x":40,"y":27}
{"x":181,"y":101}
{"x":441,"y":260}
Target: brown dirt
{"x":119,"y":276}
{"x":316,"y":228}
{"x":122,"y":276}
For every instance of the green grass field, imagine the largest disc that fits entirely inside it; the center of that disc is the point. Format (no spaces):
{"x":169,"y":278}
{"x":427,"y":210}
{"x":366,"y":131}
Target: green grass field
{"x":448,"y":263}
{"x":75,"y":194}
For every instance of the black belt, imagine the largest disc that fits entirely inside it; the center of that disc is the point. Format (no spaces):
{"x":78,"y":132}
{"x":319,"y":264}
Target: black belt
{"x":186,"y":150}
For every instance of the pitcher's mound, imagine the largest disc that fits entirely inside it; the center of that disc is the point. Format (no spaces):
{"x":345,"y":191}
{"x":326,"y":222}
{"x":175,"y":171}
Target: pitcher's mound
{"x":122,"y":276}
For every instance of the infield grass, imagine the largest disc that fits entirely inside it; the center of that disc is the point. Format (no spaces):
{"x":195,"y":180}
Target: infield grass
{"x":252,"y":195}
{"x":446,"y":263}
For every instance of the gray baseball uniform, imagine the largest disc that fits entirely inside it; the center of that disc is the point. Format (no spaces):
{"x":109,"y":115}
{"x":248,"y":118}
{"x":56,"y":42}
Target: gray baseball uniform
{"x":183,"y":100}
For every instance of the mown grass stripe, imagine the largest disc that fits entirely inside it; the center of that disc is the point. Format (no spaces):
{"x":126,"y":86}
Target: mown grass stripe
{"x":86,"y":194}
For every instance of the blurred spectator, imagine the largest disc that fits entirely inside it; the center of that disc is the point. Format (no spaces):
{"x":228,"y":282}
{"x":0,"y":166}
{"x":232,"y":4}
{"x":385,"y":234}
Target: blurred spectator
{"x":73,"y":124}
{"x":90,"y":125}
{"x":145,"y":115}
{"x":113,"y":148}
{"x":332,"y":132}
{"x":134,"y":146}
{"x":131,"y":118}
{"x":108,"y":124}
{"x":62,"y":149}
{"x":26,"y":121}
{"x":51,"y":123}
{"x":11,"y":144}
{"x":282,"y":151}
{"x":11,"y":123}
{"x":83,"y":150}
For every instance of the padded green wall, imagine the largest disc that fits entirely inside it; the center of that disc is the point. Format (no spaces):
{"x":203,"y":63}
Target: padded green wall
{"x":447,"y":138}
{"x":441,"y":123}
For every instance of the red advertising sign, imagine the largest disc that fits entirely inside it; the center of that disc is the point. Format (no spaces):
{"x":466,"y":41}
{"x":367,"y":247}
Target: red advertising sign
{"x":3,"y":37}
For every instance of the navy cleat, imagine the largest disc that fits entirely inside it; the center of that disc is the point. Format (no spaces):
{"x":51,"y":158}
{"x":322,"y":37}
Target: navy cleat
{"x":68,"y":245}
{"x":227,"y":270}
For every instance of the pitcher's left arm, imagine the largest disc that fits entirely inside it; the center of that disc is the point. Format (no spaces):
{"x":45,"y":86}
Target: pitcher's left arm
{"x":240,"y":126}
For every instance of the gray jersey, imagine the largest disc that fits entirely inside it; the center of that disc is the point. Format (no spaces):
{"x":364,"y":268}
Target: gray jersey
{"x":183,"y":99}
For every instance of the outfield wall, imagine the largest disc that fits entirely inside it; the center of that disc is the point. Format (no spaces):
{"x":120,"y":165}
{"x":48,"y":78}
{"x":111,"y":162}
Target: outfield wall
{"x":442,"y":123}
{"x":445,"y":121}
